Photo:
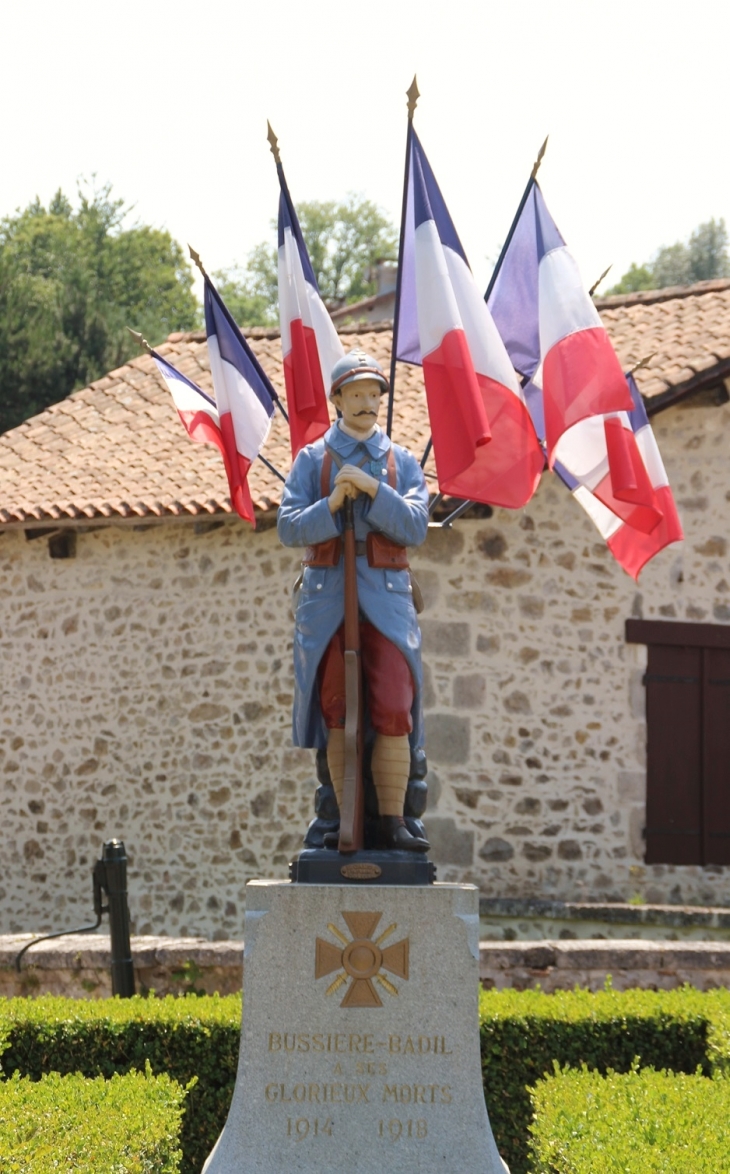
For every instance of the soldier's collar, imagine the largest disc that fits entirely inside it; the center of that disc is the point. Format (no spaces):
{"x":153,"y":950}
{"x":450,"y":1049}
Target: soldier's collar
{"x":375,"y":445}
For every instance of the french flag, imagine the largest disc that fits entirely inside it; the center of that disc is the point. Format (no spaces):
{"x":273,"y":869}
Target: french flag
{"x":484,"y":442}
{"x":309,"y":342}
{"x":201,"y":421}
{"x":549,"y":324}
{"x":237,"y":422}
{"x":634,"y":533}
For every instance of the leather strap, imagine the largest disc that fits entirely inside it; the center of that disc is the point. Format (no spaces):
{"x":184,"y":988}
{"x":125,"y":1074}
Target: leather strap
{"x":325,"y":473}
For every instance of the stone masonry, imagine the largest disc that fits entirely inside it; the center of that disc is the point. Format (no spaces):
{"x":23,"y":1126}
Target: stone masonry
{"x":146,"y":692}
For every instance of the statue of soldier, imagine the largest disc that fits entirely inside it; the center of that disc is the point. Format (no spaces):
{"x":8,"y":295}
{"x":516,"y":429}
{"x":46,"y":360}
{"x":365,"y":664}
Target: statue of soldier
{"x":355,"y":459}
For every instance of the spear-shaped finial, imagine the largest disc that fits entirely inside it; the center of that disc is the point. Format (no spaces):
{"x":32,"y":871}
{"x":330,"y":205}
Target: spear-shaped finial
{"x":538,"y":161}
{"x":413,"y":95}
{"x":141,"y":342}
{"x":596,"y":284}
{"x":273,"y":143}
{"x":195,"y":257}
{"x":642,"y":363}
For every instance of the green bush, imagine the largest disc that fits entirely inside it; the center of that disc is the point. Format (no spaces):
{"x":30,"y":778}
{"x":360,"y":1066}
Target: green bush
{"x":126,"y":1125}
{"x":646,"y":1122}
{"x":184,"y":1037}
{"x":524,"y":1032}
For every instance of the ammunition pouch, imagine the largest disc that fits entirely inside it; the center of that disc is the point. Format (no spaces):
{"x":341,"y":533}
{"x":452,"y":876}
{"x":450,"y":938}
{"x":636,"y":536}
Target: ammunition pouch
{"x":382,"y":554}
{"x":323,"y":554}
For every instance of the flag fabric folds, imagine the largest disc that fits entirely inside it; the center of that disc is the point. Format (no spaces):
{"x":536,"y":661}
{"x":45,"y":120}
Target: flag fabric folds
{"x":237,"y":422}
{"x":551,"y":327}
{"x":201,"y":421}
{"x":309,"y":342}
{"x":484,"y":442}
{"x":604,"y":454}
{"x":633,"y":532}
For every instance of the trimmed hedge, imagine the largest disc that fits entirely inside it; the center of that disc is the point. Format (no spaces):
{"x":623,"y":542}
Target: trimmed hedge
{"x":524,"y":1032}
{"x":126,"y":1125}
{"x":191,"y":1036}
{"x":647,"y":1122}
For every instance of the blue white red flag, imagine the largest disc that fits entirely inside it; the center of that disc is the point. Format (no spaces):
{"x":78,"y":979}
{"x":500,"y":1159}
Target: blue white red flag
{"x":551,"y":328}
{"x":200,"y":418}
{"x":484,"y":443}
{"x":309,"y":342}
{"x":634,"y":531}
{"x":237,"y":422}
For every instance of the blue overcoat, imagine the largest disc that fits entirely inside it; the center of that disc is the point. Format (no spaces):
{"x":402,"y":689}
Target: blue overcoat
{"x":385,"y":596}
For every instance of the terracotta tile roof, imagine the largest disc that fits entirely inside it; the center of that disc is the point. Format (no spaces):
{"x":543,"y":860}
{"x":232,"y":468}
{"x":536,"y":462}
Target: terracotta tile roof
{"x":687,"y":328}
{"x":117,"y":449}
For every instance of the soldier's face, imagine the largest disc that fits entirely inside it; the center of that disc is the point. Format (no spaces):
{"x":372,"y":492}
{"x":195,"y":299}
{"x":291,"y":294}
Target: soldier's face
{"x":359,"y":403}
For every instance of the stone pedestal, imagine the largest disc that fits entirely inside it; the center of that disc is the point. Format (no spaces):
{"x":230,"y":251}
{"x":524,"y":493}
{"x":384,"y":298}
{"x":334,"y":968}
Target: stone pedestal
{"x":360,"y":1043}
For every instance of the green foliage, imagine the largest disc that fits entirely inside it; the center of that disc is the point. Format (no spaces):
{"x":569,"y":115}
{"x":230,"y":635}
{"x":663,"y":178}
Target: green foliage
{"x":635,"y":278}
{"x":524,"y":1032}
{"x":704,"y":256}
{"x":184,"y":1037}
{"x":344,"y":240}
{"x":71,"y":281}
{"x":126,"y":1125}
{"x":647,"y":1122}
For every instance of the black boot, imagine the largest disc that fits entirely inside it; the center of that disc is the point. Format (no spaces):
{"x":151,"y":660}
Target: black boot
{"x":395,"y":834}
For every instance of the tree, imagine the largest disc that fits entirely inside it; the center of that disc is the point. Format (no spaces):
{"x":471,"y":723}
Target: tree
{"x":344,"y":240}
{"x":71,"y":280}
{"x":704,"y":256}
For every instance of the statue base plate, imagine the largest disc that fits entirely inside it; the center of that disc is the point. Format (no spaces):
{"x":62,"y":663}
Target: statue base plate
{"x":360,"y":1038}
{"x":324,"y":866}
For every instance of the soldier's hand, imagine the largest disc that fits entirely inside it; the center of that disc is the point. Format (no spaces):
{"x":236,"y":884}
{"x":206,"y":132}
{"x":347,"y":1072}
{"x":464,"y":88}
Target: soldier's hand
{"x":359,"y":480}
{"x":336,"y":499}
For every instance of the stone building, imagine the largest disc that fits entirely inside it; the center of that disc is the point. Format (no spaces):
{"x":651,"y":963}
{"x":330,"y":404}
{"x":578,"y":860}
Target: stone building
{"x":146,"y":643}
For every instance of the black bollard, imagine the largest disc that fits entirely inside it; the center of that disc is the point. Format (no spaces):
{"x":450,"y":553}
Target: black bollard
{"x":110,"y":874}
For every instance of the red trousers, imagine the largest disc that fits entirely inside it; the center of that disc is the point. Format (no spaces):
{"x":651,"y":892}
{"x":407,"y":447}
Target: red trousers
{"x":389,"y":688}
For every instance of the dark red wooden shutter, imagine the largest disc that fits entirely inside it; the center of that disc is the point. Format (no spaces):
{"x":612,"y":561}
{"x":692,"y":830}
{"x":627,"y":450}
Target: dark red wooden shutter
{"x":674,"y":816}
{"x":716,"y":755}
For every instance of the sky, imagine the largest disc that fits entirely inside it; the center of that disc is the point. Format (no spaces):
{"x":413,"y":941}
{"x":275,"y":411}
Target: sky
{"x":168,"y":102}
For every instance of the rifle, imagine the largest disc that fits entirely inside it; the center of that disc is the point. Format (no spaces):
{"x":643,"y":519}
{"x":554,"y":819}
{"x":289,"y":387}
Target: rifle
{"x":353,"y":805}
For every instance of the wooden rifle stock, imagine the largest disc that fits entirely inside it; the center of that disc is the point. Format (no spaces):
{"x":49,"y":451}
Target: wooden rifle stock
{"x":352,"y":813}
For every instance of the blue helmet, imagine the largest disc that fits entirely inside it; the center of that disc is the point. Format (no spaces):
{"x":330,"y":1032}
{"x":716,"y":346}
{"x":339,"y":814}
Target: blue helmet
{"x":357,"y":364}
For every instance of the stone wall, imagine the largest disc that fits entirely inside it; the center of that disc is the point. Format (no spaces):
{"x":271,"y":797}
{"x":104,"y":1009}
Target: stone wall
{"x":78,"y":967}
{"x":146,"y":689}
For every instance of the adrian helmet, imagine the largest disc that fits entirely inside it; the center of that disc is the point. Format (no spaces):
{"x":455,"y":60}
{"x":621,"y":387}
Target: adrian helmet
{"x":357,"y":364}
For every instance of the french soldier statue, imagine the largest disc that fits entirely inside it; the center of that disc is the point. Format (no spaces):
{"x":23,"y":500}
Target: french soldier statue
{"x":355,"y":471}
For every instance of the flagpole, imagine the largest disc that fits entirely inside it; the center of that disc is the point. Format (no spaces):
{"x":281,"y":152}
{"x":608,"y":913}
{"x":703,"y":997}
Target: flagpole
{"x":274,"y":145}
{"x":596,"y":284}
{"x":518,"y":213}
{"x":413,"y":96}
{"x":196,"y":258}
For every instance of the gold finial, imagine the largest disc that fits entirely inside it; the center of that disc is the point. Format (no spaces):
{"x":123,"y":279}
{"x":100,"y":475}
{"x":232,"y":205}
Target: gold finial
{"x":538,"y":161}
{"x":596,"y":284}
{"x":141,"y":342}
{"x":273,"y":143}
{"x":413,"y":95}
{"x":195,"y":257}
{"x":642,"y":363}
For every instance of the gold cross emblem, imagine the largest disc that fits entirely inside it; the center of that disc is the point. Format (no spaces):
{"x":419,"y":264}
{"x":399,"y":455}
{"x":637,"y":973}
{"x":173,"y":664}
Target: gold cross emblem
{"x":361,"y":960}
